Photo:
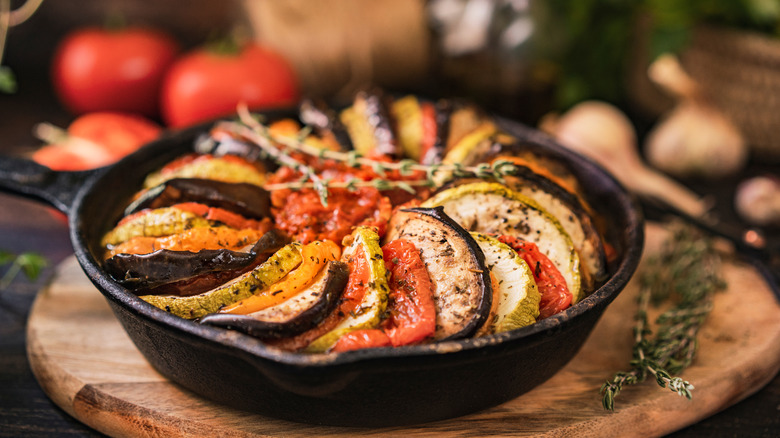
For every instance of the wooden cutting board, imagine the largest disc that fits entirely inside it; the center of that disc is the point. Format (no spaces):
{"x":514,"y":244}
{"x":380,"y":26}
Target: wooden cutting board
{"x":89,"y":367}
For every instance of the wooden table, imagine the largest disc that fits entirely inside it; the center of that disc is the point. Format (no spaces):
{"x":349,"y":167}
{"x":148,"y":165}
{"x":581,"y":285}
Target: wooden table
{"x":27,"y":226}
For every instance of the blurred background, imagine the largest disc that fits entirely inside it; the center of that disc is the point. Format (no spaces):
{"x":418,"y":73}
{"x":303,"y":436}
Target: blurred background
{"x":707,"y":112}
{"x":690,"y":89}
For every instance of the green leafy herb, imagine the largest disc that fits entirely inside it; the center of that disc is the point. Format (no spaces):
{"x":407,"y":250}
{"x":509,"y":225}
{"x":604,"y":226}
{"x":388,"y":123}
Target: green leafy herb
{"x":685,"y":274}
{"x":250,"y":129}
{"x":28,"y":263}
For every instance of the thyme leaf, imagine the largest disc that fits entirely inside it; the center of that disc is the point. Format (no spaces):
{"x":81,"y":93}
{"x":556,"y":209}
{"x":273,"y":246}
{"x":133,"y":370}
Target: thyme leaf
{"x":28,"y":263}
{"x":251,"y":129}
{"x":685,"y":273}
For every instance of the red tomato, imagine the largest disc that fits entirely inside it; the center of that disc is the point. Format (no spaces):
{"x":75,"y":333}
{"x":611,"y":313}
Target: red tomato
{"x":552,"y":286}
{"x":120,"y":133}
{"x":102,"y":70}
{"x":204,"y":85}
{"x":109,"y":137}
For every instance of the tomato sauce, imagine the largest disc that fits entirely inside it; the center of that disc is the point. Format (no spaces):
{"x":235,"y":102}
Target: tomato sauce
{"x":302,"y":215}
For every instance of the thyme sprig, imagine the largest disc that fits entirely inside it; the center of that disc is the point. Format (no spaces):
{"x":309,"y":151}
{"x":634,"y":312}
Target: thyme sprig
{"x":279,"y":147}
{"x":686,"y":274}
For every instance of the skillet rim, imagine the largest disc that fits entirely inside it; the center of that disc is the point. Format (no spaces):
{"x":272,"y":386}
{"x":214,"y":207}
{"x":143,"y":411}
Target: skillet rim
{"x":236,"y":342}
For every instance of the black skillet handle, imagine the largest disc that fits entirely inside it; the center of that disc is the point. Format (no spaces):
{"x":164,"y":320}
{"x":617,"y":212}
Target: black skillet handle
{"x":29,"y":179}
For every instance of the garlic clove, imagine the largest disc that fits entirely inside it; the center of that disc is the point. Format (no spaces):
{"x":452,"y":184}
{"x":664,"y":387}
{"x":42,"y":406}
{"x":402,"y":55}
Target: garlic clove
{"x":757,"y":201}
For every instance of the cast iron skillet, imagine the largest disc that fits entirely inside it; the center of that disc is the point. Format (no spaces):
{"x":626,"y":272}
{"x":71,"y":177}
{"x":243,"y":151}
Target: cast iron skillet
{"x":376,"y":387}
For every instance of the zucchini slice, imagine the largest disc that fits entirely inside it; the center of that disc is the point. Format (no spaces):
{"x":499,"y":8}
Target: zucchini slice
{"x":228,"y":168}
{"x":365,"y":243}
{"x":157,"y":222}
{"x":516,"y":292}
{"x":573,"y":217}
{"x":369,"y":127}
{"x":295,"y":315}
{"x":264,"y":275}
{"x":407,"y":114}
{"x":492,"y":208}
{"x":460,"y":278}
{"x":471,"y":144}
{"x":567,"y":208}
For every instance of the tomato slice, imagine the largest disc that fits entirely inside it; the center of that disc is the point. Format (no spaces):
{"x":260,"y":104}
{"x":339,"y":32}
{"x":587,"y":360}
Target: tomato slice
{"x":359,"y":339}
{"x":302,"y":215}
{"x":552,"y":286}
{"x":428,"y":127}
{"x":412,"y":312}
{"x":230,"y":219}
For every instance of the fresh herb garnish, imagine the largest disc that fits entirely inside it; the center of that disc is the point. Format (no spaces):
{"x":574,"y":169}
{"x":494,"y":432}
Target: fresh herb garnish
{"x":277,"y":147}
{"x":685,"y":273}
{"x":28,"y":263}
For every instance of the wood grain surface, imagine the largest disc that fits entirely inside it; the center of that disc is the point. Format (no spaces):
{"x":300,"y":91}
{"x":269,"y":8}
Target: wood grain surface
{"x":88,"y":366}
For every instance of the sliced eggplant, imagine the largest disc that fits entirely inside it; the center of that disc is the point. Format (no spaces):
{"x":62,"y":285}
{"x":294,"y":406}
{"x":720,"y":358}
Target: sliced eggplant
{"x":515,"y":289}
{"x":492,"y":208}
{"x":295,"y":315}
{"x":219,"y":144}
{"x":455,"y":119}
{"x":325,"y":122}
{"x":369,"y":127}
{"x":185,"y":273}
{"x":226,"y":168}
{"x":369,"y":313}
{"x":461,"y":283}
{"x":248,"y":200}
{"x":154,"y":223}
{"x":243,"y":286}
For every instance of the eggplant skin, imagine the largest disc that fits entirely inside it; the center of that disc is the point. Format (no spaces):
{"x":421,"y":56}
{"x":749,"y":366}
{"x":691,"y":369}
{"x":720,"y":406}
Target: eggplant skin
{"x":296,"y":315}
{"x":462,"y":288}
{"x":324,"y":119}
{"x":185,"y":273}
{"x":248,"y":200}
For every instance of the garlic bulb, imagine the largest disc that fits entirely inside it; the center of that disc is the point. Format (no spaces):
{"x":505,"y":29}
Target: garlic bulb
{"x":603,"y":133}
{"x":695,"y":139}
{"x":591,"y":127}
{"x":757,"y":201}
